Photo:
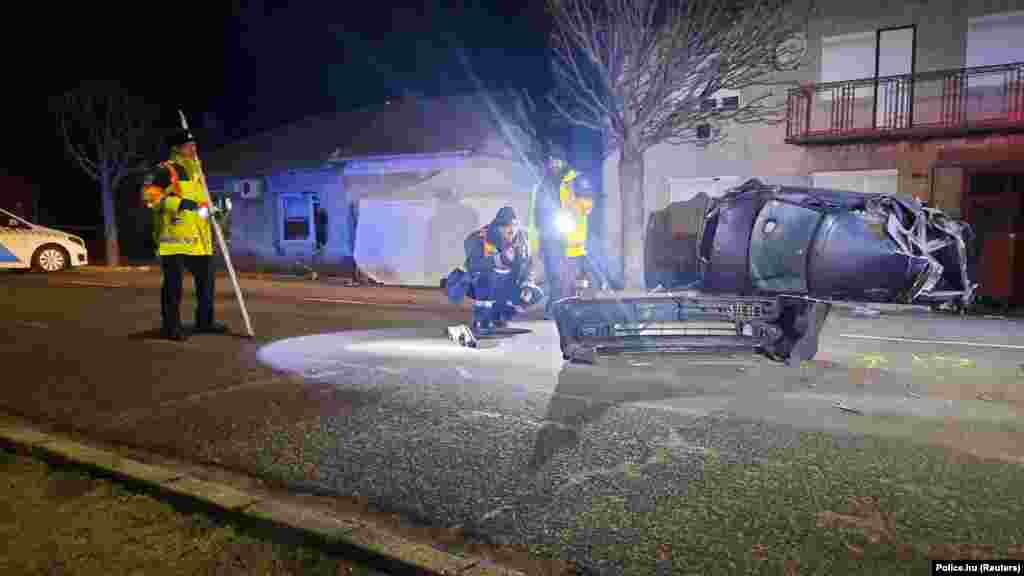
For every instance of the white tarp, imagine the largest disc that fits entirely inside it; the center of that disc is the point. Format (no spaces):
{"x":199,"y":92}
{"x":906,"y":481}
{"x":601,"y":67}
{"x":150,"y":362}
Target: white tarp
{"x":416,"y":243}
{"x":391,"y":239}
{"x":414,"y":236}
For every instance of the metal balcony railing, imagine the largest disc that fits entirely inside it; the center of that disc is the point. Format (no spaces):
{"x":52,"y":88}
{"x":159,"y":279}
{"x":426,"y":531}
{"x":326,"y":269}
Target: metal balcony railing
{"x":926,"y":105}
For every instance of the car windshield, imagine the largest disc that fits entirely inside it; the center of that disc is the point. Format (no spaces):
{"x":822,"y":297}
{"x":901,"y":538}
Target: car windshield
{"x":778,"y":247}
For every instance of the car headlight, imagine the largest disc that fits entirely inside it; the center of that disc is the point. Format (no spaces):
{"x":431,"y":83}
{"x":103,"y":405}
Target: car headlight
{"x":77,"y":240}
{"x":565,"y":223}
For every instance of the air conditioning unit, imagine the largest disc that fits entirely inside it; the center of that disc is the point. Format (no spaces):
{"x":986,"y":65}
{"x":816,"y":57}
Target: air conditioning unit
{"x":249,"y":189}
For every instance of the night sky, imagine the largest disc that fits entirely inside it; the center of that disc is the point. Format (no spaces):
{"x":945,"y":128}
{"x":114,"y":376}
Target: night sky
{"x":248,"y":67}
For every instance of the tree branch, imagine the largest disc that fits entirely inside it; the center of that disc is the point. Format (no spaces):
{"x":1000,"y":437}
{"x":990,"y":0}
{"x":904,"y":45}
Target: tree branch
{"x":104,"y":130}
{"x":639,"y":70}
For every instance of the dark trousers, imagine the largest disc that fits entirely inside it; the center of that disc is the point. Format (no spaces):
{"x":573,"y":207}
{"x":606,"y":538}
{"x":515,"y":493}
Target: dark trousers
{"x":571,"y":267}
{"x":202,"y":270}
{"x":552,"y":250}
{"x":499,"y":288}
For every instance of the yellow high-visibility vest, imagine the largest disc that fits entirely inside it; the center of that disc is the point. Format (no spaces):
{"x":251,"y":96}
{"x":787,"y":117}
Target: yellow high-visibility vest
{"x":183,"y":231}
{"x":576,"y":241}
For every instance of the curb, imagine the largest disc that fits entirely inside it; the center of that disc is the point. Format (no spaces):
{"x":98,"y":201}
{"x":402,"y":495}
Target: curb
{"x":374,"y":542}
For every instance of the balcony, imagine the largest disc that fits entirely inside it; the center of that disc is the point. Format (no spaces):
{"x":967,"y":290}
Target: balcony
{"x":943,"y":103}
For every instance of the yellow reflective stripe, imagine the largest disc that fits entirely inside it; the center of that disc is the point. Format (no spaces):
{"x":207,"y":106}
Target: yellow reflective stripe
{"x":176,"y":240}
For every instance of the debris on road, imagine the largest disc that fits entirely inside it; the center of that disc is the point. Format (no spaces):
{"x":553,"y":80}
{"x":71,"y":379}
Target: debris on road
{"x":866,"y":312}
{"x":845,"y":408}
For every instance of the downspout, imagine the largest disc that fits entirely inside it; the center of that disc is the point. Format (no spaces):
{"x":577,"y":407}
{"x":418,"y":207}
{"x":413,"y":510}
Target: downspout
{"x":931,"y":183}
{"x":275,"y":216}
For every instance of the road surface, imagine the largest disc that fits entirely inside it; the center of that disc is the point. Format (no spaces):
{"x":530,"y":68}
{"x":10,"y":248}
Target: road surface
{"x":507,"y":442}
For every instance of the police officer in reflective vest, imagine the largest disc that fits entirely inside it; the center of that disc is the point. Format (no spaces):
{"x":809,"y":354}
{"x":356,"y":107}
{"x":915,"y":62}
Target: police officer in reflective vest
{"x":498,"y":275}
{"x":575,"y":199}
{"x":176,"y":193}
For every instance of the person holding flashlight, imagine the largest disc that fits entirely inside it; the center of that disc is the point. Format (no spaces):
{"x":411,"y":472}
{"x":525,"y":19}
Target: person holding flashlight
{"x":176,"y":193}
{"x":575,"y":197}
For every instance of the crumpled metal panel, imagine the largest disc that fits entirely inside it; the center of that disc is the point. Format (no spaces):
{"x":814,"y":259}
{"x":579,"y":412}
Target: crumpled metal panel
{"x":850,"y":260}
{"x":874,"y":247}
{"x":726,"y":269}
{"x":863,"y":247}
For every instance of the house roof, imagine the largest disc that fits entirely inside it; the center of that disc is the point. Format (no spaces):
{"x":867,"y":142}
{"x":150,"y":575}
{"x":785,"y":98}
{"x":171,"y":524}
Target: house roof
{"x":407,"y":126}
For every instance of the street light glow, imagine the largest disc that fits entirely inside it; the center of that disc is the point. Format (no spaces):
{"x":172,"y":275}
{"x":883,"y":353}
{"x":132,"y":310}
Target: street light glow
{"x":564,"y":222}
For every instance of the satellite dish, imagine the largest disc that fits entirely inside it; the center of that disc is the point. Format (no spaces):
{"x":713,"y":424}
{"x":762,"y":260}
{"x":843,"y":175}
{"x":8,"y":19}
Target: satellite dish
{"x":791,"y":51}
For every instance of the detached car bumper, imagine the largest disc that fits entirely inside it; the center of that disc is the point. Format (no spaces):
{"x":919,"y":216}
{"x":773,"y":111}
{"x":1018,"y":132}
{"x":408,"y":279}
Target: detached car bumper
{"x":783,"y":328}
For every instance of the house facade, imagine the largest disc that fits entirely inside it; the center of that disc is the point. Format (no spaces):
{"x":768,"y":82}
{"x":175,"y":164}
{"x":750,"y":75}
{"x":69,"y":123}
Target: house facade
{"x":922,"y":98}
{"x":392,"y":189}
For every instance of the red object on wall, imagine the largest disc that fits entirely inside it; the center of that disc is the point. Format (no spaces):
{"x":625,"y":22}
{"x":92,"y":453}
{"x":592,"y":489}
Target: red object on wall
{"x":995,"y":268}
{"x":994,"y":205}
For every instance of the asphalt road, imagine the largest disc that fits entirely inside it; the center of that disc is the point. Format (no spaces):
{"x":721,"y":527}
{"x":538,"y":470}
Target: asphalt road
{"x":507,"y":441}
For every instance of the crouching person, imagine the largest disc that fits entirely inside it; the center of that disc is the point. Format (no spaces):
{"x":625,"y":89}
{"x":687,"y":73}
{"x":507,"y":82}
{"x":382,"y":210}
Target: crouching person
{"x":498,"y":276}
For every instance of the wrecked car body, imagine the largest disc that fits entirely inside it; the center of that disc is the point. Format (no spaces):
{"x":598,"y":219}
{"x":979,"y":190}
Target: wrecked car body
{"x":769,"y":263}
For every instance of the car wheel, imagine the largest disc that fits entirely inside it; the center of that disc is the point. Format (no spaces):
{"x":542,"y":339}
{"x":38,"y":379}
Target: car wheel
{"x":50,"y":258}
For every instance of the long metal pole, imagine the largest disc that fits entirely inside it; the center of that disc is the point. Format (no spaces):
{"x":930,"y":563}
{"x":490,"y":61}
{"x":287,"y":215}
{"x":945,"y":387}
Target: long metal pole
{"x":227,"y":255}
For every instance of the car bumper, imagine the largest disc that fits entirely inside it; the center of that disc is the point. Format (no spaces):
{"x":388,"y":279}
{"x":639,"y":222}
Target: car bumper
{"x":79,"y":258}
{"x":783,"y":328}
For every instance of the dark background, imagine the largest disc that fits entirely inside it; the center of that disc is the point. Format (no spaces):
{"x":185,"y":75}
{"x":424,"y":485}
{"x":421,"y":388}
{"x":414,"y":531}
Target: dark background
{"x":243,"y":68}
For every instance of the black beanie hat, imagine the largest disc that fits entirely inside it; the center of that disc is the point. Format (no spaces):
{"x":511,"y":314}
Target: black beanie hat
{"x":180,"y":137}
{"x":506,"y":216}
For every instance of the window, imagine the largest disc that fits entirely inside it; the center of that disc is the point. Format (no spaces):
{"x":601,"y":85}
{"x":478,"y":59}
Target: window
{"x":731,"y":103}
{"x":704,"y":132}
{"x":849,"y":57}
{"x":779,"y":245}
{"x":296,"y":210}
{"x":881,"y":53}
{"x":993,"y":40}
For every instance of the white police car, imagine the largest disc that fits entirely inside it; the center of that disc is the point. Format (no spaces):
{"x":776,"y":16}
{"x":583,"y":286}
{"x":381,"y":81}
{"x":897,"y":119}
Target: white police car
{"x":26,"y":245}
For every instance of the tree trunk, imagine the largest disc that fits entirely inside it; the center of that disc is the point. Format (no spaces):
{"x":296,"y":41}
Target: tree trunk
{"x":631,"y":187}
{"x":113,"y":256}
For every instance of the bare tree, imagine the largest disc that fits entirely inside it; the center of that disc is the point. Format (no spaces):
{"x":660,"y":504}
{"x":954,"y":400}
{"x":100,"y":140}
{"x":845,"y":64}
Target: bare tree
{"x":638,"y":71}
{"x":532,"y":131}
{"x":108,"y":133}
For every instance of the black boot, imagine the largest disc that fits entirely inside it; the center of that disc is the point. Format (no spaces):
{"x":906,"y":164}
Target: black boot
{"x":482,"y":318}
{"x":212,"y":328}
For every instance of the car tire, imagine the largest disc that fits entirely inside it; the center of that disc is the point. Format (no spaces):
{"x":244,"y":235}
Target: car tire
{"x":50,"y":258}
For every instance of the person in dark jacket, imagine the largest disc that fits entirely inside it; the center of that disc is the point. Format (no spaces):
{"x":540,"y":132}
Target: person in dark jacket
{"x":498,"y":275}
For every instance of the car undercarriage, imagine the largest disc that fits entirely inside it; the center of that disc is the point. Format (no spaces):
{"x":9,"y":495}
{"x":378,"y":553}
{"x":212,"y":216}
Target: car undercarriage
{"x":770,"y":263}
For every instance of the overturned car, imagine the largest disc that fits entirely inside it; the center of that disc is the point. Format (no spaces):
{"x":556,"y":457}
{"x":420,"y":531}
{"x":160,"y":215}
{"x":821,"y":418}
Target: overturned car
{"x":767,"y":265}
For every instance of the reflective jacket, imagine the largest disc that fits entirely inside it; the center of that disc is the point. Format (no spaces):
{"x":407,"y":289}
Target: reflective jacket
{"x":580,"y":207}
{"x":176,"y":192}
{"x":483,"y":253}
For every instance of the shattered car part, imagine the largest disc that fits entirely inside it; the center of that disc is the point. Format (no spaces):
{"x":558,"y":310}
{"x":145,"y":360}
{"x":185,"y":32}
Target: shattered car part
{"x":771,"y":261}
{"x":783,"y":328}
{"x":833,"y":245}
{"x":462,"y":335}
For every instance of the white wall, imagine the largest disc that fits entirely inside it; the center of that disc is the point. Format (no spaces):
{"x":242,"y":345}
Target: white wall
{"x":414,"y":236}
{"x":750,"y":152}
